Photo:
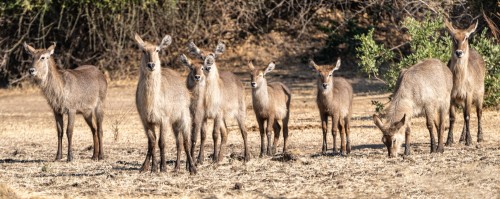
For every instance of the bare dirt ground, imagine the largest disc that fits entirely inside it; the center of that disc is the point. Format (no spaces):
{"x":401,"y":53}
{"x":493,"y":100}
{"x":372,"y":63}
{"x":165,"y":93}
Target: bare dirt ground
{"x":28,"y":146}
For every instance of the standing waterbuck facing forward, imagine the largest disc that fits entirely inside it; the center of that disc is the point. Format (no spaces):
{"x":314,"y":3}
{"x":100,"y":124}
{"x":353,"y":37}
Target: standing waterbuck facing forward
{"x":162,"y":101}
{"x":271,"y":102}
{"x":78,"y":91}
{"x":425,"y":89}
{"x":224,"y":99}
{"x":468,"y":71}
{"x":334,"y":99}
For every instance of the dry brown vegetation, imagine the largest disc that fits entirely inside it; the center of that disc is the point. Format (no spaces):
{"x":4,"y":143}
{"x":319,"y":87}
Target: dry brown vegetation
{"x":28,"y":145}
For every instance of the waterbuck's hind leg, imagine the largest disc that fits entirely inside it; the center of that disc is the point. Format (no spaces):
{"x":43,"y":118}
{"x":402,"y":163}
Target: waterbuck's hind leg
{"x":450,"y":140}
{"x":277,"y":129}
{"x":89,"y":120}
{"x":99,"y":116}
{"x":60,"y":129}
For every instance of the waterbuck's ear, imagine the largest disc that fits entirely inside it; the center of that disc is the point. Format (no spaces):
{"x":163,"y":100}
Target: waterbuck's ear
{"x":401,"y":123}
{"x":139,"y":40}
{"x":471,"y":29}
{"x":221,"y":47}
{"x":195,"y":51}
{"x":269,"y":68}
{"x":337,"y":65}
{"x":449,"y":26}
{"x":52,"y":48}
{"x":28,"y":48}
{"x":185,"y":61}
{"x":250,"y":66}
{"x":210,"y":60}
{"x":377,"y":122}
{"x":166,"y":41}
{"x":313,"y":66}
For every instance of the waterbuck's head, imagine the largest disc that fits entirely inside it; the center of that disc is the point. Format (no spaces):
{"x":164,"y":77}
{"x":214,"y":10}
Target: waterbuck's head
{"x":324,"y":74}
{"x":150,"y":57}
{"x":392,"y":134}
{"x":42,"y":60}
{"x":208,"y":58}
{"x":196,"y":69}
{"x":460,"y":38}
{"x":257,"y":75}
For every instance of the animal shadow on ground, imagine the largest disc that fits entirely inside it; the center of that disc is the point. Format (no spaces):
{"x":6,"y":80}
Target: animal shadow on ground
{"x":368,"y":146}
{"x":10,"y":160}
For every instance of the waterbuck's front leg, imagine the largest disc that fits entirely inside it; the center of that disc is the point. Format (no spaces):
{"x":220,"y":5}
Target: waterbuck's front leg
{"x":260,"y":121}
{"x":99,"y":113}
{"x":407,"y":139}
{"x":468,"y":104}
{"x":151,"y":143}
{"x":277,"y":131}
{"x":269,"y":127}
{"x":69,"y":133}
{"x":60,"y":129}
{"x":324,"y":127}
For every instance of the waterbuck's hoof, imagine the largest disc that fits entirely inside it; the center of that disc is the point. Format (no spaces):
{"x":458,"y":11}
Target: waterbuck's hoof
{"x":144,"y":169}
{"x":95,"y":158}
{"x":449,"y":143}
{"x":440,"y":150}
{"x":246,"y":158}
{"x":70,"y":158}
{"x":192,"y":170}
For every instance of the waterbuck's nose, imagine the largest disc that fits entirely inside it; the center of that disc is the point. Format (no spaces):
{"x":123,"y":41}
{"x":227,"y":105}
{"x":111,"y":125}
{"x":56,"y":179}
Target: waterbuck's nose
{"x":325,"y":85}
{"x":197,"y":77}
{"x":32,"y":71}
{"x":151,"y":66}
{"x":459,"y":53}
{"x":208,"y":69}
{"x":253,"y":84}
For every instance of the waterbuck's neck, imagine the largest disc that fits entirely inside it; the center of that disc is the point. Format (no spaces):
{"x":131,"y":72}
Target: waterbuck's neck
{"x":53,"y":86}
{"x":459,"y":68}
{"x":260,"y":95}
{"x":150,"y":85}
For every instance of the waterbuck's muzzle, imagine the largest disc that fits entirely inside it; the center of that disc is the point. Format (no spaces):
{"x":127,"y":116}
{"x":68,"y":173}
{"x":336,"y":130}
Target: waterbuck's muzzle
{"x":253,"y":84}
{"x":32,"y":71}
{"x":459,"y":53}
{"x":151,"y":66}
{"x":208,"y":68}
{"x":325,"y":85}
{"x":197,"y":77}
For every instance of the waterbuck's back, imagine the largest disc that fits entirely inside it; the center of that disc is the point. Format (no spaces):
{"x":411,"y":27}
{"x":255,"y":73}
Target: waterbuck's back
{"x":279,"y":96}
{"x":233,"y":98}
{"x":424,"y":86}
{"x":86,"y":86}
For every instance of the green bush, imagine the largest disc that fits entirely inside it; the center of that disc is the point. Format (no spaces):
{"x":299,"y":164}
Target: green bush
{"x":428,"y":40}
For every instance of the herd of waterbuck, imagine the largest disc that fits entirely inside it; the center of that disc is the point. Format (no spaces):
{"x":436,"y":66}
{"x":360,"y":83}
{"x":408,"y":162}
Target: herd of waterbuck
{"x":171,"y":102}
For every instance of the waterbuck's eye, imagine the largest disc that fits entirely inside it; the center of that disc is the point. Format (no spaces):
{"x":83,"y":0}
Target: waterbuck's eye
{"x":42,"y":58}
{"x":329,"y":75}
{"x":157,"y":50}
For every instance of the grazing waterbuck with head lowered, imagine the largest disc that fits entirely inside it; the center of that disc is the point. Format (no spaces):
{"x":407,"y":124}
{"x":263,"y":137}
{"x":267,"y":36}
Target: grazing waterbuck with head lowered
{"x":162,"y":101}
{"x":271,"y":102}
{"x":334,"y":99}
{"x":468,"y":70}
{"x":423,"y":89}
{"x":224,"y":99}
{"x":71,"y":91}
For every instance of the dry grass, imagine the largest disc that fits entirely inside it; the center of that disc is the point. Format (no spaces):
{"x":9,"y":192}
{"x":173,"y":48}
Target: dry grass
{"x":28,"y":146}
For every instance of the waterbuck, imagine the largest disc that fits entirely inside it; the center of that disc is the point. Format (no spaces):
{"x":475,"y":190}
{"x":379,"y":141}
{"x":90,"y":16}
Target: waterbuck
{"x":196,"y":83}
{"x":224,"y":99}
{"x":468,"y":70}
{"x":422,"y":89}
{"x":271,"y":102}
{"x":71,"y":91}
{"x":162,"y":101}
{"x":334,"y":99}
